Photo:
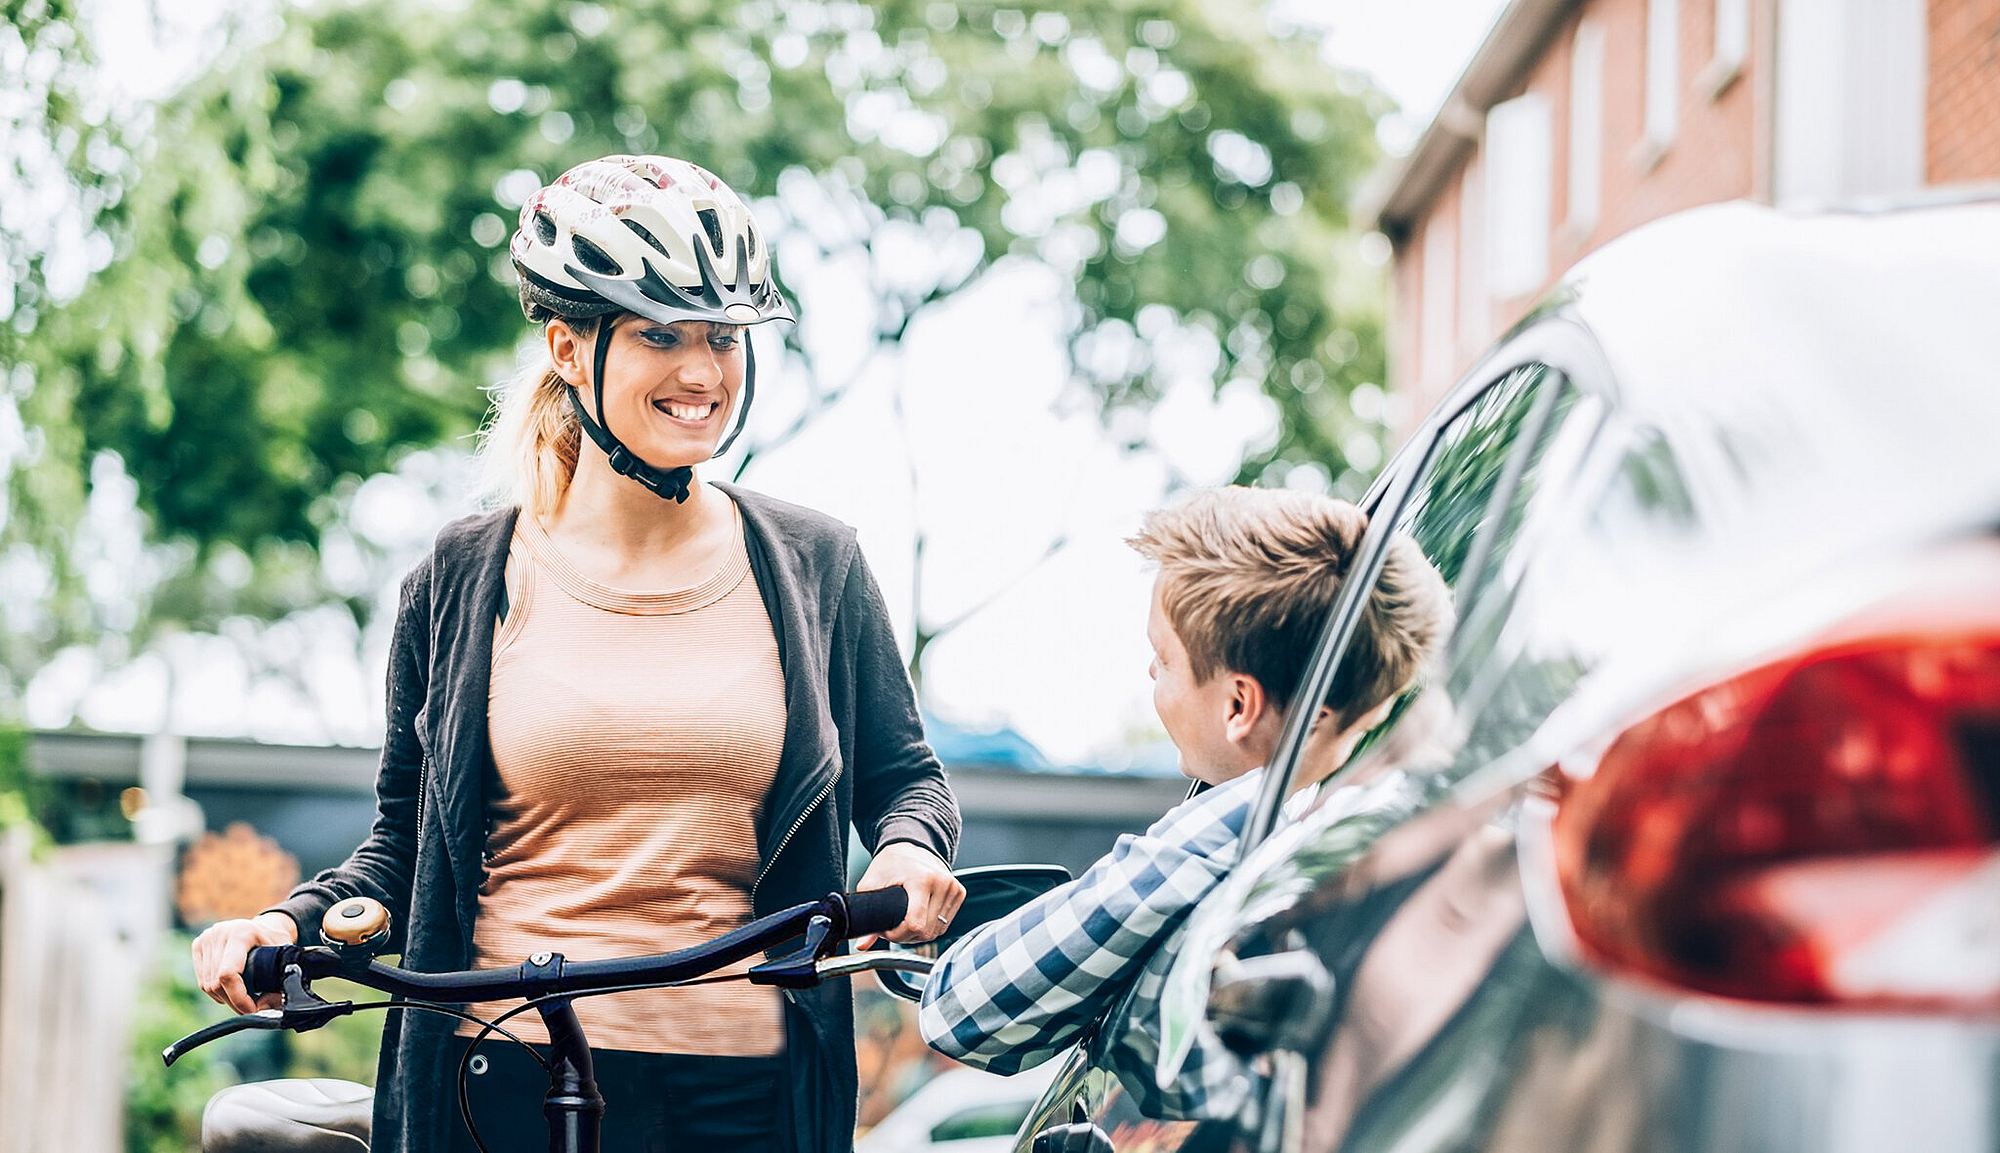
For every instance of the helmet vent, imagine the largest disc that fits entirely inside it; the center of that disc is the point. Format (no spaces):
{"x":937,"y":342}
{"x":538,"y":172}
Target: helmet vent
{"x":646,"y":234}
{"x":594,"y":258}
{"x":750,"y":241}
{"x":712,"y":224}
{"x":545,"y":227}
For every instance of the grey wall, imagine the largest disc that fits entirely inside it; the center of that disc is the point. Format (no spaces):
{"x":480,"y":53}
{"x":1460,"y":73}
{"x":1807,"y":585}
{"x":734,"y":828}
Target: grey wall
{"x":318,"y":802}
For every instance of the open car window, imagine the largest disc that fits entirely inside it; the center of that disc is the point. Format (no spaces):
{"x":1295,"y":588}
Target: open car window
{"x":1468,"y":511}
{"x":1470,"y":507}
{"x":1600,"y":506}
{"x":1559,"y":555}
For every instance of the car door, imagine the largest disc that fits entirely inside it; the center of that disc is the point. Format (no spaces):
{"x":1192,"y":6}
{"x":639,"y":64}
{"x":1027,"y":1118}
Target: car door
{"x":1464,"y":481}
{"x":1435,"y":1019}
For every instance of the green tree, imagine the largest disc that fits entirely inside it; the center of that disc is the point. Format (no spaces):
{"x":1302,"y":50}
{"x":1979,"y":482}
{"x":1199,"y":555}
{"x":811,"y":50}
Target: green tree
{"x":60,"y":167}
{"x":308,"y":277}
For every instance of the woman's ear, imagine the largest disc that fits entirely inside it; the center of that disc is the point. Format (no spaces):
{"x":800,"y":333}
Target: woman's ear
{"x":566,"y":352}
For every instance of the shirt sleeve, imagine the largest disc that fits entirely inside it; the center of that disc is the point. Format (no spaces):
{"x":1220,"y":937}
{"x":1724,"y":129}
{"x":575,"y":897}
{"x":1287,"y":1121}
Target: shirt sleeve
{"x":900,"y":791}
{"x":1022,"y":989}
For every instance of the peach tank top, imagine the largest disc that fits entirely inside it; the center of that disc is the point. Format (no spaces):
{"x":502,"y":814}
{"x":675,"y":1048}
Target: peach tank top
{"x":635,"y":735}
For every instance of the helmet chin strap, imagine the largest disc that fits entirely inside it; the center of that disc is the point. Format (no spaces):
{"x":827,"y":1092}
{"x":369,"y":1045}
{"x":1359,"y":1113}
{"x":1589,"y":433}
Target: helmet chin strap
{"x":667,"y":484}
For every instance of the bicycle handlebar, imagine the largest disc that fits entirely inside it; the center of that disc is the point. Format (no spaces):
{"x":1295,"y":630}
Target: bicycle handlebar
{"x":847,"y":915}
{"x":819,"y":925}
{"x":876,"y":911}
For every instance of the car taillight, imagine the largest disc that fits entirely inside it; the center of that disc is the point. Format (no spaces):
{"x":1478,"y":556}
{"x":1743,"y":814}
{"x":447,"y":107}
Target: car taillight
{"x":1824,"y":828}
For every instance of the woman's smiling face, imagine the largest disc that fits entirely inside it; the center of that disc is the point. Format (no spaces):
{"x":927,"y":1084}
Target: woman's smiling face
{"x":670,"y":390}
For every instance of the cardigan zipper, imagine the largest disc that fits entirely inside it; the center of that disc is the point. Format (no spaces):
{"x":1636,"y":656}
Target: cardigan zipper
{"x":789,"y":834}
{"x":423,"y":786}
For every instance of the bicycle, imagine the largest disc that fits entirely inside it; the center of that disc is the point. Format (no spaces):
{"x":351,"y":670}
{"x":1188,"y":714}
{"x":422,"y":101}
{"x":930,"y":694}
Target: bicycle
{"x":359,"y":928}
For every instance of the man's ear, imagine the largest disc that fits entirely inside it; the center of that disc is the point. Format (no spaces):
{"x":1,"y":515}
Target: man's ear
{"x":1248,"y":706}
{"x":566,"y":352}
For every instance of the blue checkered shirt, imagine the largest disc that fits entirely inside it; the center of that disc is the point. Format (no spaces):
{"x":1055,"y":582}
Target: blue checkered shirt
{"x":1027,"y":987}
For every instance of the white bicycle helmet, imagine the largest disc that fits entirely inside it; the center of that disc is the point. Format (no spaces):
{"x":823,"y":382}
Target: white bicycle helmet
{"x":651,"y":235}
{"x":657,"y":237}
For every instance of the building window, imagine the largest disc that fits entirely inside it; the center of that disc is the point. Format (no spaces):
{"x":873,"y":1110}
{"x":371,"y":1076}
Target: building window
{"x":1475,"y":303}
{"x":1663,"y":76}
{"x":1732,"y":46}
{"x":1586,"y":128}
{"x":1440,"y":270}
{"x":1851,"y":79}
{"x":1439,"y":295}
{"x":1520,"y":169}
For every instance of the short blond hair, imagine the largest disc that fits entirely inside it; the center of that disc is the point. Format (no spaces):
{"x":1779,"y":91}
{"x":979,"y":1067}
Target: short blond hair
{"x":528,"y":449}
{"x":1248,"y":577}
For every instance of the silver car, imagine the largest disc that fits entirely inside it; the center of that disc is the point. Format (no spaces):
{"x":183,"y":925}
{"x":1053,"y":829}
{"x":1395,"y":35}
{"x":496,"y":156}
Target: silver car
{"x":1691,"y":842}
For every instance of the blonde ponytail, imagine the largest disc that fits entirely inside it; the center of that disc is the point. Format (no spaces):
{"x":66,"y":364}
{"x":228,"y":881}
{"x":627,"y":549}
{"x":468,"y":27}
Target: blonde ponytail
{"x":528,"y":449}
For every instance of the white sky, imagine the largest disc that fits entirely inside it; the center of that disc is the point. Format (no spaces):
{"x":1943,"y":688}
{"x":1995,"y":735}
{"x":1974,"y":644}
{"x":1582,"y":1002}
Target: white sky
{"x":1061,"y":653}
{"x":1062,"y":656}
{"x":1414,"y":49}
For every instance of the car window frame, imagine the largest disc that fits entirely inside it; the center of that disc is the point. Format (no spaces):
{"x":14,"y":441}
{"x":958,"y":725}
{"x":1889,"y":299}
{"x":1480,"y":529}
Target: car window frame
{"x":1557,"y":340}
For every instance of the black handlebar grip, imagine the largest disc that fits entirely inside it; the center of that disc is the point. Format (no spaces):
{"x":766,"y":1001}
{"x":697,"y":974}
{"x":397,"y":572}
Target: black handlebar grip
{"x":264,"y":972}
{"x":876,"y":911}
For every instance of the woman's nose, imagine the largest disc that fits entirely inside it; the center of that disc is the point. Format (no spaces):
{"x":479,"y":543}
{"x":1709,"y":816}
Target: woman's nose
{"x":701,"y":367}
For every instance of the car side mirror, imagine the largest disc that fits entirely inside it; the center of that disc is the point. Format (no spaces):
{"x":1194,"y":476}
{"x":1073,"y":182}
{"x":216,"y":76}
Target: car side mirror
{"x":991,"y":892}
{"x":1276,"y":1001}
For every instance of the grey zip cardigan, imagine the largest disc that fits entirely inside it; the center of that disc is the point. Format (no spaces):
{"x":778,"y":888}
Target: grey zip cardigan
{"x":854,"y":753}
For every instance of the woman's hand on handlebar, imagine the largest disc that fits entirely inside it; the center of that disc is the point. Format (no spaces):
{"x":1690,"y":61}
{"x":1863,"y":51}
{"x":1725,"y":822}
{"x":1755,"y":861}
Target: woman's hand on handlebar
{"x":934,"y":893}
{"x":223,"y":948}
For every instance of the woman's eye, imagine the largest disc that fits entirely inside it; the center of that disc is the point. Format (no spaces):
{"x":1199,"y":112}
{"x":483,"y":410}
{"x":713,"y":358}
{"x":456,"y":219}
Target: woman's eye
{"x":724,"y":340}
{"x":660,"y":337}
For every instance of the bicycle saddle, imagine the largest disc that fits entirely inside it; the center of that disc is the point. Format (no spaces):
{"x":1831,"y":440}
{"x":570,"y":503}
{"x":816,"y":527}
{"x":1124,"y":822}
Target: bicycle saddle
{"x":305,"y":1115}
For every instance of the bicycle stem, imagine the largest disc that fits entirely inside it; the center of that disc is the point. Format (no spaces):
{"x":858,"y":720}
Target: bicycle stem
{"x":573,"y":1106}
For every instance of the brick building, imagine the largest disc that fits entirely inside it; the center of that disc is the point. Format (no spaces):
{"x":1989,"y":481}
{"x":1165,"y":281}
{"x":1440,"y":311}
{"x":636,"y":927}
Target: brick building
{"x":1578,"y":120}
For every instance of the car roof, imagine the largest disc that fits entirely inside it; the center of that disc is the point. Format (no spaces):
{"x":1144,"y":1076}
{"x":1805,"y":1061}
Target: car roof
{"x":1852,"y":358}
{"x":1833,"y":304}
{"x":1827,"y":387}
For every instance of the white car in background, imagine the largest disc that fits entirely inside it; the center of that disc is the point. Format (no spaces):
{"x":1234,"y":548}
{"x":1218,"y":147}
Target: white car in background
{"x":960,"y":1111}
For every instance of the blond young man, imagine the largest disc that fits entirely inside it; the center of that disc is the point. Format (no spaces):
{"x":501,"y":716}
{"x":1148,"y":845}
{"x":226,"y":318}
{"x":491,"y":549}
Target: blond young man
{"x":1247,"y":578}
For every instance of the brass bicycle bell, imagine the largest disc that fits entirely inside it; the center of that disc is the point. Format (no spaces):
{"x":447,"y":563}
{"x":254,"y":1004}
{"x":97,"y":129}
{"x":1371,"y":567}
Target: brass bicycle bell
{"x":358,"y":926}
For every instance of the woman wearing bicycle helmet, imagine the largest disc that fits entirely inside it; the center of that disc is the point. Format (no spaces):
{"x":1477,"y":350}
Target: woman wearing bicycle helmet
{"x":633,"y":709}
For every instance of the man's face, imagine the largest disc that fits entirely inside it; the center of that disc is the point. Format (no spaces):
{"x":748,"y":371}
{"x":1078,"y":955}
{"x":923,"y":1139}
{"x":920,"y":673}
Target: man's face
{"x":1196,"y":714}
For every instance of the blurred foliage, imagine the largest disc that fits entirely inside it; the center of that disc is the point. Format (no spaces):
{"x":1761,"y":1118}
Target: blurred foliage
{"x":344,"y":1049}
{"x":81,"y":809}
{"x":1455,"y":491}
{"x":56,"y":810}
{"x":51,"y":135}
{"x":303,"y":261}
{"x":22,"y":795}
{"x":163,"y":1106}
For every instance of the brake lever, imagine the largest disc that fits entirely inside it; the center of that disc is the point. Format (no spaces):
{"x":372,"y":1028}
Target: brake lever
{"x":798,"y":969}
{"x":302,"y":1012}
{"x":261,"y":1019}
{"x":305,"y":1010}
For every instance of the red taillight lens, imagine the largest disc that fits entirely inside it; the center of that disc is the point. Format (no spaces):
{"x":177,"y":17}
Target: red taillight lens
{"x":1821,"y":829}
